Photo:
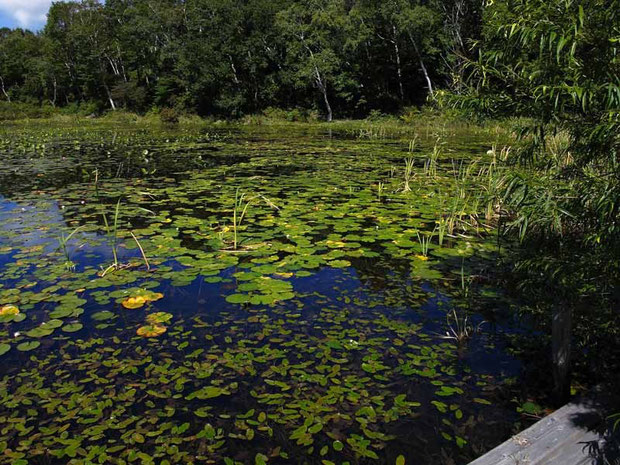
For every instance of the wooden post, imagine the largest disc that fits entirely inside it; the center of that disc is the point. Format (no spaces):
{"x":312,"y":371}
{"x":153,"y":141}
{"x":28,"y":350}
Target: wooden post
{"x":561,"y":330}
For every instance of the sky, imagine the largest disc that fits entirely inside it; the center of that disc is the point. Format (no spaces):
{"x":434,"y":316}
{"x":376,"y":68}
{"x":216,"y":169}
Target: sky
{"x":27,"y":14}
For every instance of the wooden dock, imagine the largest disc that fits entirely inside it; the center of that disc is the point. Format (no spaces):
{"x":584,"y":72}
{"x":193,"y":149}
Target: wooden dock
{"x":576,"y":434}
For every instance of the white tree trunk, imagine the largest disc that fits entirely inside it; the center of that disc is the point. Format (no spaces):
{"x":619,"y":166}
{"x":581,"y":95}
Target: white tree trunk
{"x":8,"y":97}
{"x":321,"y":85}
{"x":110,"y":99}
{"x":429,"y":84}
{"x":398,"y":65}
{"x":55,"y":85}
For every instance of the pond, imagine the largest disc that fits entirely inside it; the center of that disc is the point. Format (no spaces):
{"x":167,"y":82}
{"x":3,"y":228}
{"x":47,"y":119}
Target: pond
{"x":243,"y":295}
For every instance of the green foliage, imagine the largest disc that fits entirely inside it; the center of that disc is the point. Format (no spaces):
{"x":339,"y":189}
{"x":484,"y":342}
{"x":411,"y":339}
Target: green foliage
{"x":169,"y":116}
{"x":233,"y":58}
{"x":19,"y":110}
{"x":556,"y":65}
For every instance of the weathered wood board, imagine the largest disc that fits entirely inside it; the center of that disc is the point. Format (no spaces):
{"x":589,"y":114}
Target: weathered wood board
{"x":569,"y":436}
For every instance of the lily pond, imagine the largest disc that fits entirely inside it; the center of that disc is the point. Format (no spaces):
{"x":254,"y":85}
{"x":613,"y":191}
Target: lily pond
{"x":251,"y":295}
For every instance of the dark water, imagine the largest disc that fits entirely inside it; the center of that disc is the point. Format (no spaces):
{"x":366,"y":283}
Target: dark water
{"x":323,"y":334}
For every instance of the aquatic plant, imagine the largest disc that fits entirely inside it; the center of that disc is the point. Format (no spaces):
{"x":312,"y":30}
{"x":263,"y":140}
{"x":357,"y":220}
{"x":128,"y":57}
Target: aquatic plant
{"x":431,"y":162}
{"x":63,"y":241}
{"x":409,"y":174}
{"x":300,"y":348}
{"x":146,"y":260}
{"x":442,"y":229}
{"x":459,"y":328}
{"x":240,"y":207}
{"x":112,"y":236}
{"x":380,"y":189}
{"x":424,"y":240}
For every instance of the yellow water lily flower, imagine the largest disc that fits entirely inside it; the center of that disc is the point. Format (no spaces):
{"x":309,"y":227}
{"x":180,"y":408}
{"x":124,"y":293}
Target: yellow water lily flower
{"x":422,"y":257}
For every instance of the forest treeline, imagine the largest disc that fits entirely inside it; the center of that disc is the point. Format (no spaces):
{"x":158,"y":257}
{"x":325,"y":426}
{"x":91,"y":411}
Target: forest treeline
{"x":234,"y":57}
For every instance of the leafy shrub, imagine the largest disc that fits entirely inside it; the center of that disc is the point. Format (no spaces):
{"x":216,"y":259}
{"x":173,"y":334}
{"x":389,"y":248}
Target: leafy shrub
{"x":18,"y":110}
{"x":169,"y":116}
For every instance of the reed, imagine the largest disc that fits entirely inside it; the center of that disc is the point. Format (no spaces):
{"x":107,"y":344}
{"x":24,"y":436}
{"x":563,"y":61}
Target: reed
{"x":62,"y":245}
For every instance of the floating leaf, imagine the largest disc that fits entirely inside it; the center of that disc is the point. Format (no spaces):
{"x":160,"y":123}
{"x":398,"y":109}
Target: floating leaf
{"x":9,"y":310}
{"x":26,"y":346}
{"x":4,"y":348}
{"x":102,"y":316}
{"x":238,"y":298}
{"x":134,"y":302}
{"x":141,"y":298}
{"x":72,"y":327}
{"x":400,"y":460}
{"x":158,"y":318}
{"x":151,"y":330}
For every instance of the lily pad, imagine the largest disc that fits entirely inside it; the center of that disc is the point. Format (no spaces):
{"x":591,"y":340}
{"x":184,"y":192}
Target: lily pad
{"x":158,"y":318}
{"x":29,"y":345}
{"x":72,"y":327}
{"x":152,"y":330}
{"x":9,"y":310}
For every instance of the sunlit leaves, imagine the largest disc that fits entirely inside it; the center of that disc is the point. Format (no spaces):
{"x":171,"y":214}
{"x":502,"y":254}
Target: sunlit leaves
{"x":141,"y":298}
{"x":9,"y":310}
{"x":151,"y":330}
{"x":28,"y":346}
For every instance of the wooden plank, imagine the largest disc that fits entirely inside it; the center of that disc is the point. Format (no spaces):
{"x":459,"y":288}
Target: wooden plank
{"x":554,"y":440}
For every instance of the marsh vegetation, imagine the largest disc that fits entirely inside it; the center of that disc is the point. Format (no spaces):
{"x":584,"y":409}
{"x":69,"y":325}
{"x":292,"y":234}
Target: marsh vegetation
{"x":194,"y":269}
{"x":241,"y":294}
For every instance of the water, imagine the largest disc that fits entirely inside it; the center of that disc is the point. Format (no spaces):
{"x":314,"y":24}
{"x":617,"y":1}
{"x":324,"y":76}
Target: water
{"x":323,"y":337}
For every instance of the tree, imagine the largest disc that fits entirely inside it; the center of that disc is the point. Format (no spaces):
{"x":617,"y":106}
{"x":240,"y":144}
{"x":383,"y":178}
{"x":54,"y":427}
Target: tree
{"x":17,"y":48}
{"x":316,"y":31}
{"x":558,"y":63}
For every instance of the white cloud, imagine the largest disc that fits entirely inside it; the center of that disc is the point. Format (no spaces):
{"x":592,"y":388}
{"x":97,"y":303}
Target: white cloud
{"x":28,"y":13}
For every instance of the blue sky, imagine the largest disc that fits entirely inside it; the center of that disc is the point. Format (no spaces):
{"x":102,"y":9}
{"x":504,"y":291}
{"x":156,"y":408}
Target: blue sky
{"x":29,"y":14}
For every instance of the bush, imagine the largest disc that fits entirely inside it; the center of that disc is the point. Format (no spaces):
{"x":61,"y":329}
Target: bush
{"x":169,"y":116}
{"x":10,"y":111}
{"x":293,"y":115}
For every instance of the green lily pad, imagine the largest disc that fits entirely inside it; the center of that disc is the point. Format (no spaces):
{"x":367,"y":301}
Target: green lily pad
{"x":26,"y":346}
{"x":72,"y":327}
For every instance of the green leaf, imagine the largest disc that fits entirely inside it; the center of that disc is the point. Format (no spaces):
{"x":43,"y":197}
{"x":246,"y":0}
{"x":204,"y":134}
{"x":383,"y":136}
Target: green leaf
{"x":72,"y":327}
{"x":26,"y":346}
{"x":4,"y":348}
{"x":238,"y":298}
